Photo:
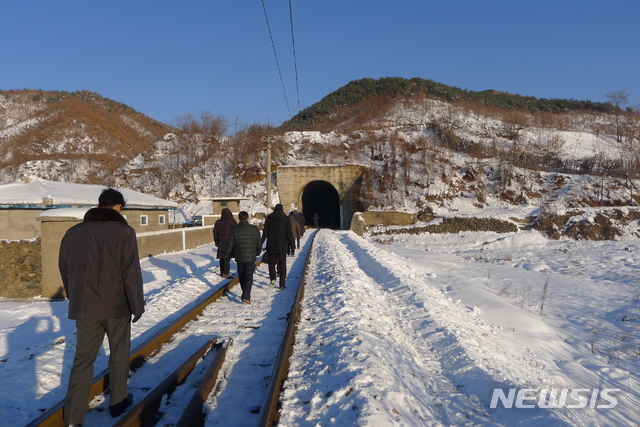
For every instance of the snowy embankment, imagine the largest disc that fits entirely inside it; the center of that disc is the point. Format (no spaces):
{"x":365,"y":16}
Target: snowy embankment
{"x":403,"y":330}
{"x":424,"y":337}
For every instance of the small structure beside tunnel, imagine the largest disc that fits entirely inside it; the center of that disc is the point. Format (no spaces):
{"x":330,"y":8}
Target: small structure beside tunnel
{"x":218,"y":204}
{"x":327,"y":191}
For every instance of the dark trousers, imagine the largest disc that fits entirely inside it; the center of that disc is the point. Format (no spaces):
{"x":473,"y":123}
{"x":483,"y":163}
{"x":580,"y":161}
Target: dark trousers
{"x":279,"y":260}
{"x":225,"y":265}
{"x":245,"y":276}
{"x":90,"y":335}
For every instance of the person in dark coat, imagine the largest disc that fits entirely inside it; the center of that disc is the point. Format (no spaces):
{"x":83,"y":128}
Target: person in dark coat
{"x":295,"y":231}
{"x":245,"y":243}
{"x":300,"y":217}
{"x":221,"y":230}
{"x":277,"y":233}
{"x":100,"y":270}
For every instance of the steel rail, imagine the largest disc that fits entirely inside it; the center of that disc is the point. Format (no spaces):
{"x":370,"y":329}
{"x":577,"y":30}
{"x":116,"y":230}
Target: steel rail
{"x":192,"y":415}
{"x":53,"y":417}
{"x":269,"y":412}
{"x":145,"y":413}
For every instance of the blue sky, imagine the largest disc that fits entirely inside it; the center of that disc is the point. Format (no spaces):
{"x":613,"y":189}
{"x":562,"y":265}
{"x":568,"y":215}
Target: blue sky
{"x":169,"y":58}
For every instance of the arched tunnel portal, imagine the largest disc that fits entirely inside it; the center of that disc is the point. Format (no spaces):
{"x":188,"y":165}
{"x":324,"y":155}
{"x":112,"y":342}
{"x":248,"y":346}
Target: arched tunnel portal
{"x":329,"y":191}
{"x":322,"y":199}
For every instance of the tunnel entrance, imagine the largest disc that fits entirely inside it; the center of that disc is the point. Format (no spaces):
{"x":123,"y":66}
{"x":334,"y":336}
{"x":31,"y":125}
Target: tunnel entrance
{"x":320,"y":197}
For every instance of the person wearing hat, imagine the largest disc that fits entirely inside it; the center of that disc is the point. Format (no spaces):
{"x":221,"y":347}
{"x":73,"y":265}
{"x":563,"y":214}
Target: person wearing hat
{"x":101,"y":275}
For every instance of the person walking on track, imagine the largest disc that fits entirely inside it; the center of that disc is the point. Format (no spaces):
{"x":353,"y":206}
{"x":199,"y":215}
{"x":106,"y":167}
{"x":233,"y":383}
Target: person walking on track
{"x":221,"y":230}
{"x":277,"y":233}
{"x":296,"y":232}
{"x":300,"y":217}
{"x":101,"y":275}
{"x":244,"y":244}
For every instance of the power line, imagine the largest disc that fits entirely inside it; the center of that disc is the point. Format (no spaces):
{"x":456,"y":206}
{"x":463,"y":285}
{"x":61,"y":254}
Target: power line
{"x":276,"y":56}
{"x":295,"y":62}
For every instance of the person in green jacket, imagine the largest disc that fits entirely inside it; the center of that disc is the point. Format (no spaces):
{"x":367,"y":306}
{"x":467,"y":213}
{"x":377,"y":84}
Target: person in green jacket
{"x":245,"y":244}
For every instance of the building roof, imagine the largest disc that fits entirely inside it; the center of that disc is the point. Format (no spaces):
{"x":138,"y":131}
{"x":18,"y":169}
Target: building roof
{"x":225,"y":198}
{"x":76,"y":213}
{"x":41,"y":193}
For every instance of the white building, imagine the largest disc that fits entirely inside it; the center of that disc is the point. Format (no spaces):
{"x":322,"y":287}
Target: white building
{"x":21,"y":203}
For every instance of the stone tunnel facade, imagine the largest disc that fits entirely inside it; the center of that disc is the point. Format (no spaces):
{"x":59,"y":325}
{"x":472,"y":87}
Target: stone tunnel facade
{"x":328,"y":191}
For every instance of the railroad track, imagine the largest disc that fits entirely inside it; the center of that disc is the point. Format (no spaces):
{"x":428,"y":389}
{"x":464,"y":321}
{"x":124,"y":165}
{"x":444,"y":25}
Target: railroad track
{"x":146,"y":411}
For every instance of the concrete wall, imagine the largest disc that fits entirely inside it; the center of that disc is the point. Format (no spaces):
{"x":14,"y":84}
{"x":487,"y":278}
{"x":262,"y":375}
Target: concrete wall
{"x":232,"y":205}
{"x":21,"y":224}
{"x":361,"y":221}
{"x":53,"y":229}
{"x":181,"y":239}
{"x":134,"y":218}
{"x":18,"y":224}
{"x":386,"y":218}
{"x":292,"y":181}
{"x":149,"y":244}
{"x":210,"y":219}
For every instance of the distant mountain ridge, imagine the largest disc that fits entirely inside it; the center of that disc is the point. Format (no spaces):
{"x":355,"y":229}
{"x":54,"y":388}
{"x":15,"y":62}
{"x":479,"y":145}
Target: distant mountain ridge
{"x":72,"y":136}
{"x":426,"y":147}
{"x":397,"y":88}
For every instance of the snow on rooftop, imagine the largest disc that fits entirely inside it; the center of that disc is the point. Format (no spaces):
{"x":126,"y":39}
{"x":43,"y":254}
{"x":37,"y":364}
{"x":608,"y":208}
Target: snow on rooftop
{"x":221,"y":198}
{"x":44,"y":192}
{"x":77,"y":213}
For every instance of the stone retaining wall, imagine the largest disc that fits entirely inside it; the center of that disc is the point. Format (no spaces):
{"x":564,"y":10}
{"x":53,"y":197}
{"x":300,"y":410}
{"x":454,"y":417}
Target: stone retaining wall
{"x":29,"y":268}
{"x":20,"y":268}
{"x":361,"y":221}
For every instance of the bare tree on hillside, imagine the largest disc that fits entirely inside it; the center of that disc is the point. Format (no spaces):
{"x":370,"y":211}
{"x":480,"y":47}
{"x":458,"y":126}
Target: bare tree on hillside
{"x":214,"y":125}
{"x":406,"y":169}
{"x":619,"y":99}
{"x":210,"y":127}
{"x":187,"y":123}
{"x":426,"y":162}
{"x":393,"y":161}
{"x":633,"y":125}
{"x":245,"y":153}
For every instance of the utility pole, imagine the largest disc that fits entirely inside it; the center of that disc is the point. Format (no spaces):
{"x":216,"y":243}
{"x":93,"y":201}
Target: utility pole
{"x":268,"y":139}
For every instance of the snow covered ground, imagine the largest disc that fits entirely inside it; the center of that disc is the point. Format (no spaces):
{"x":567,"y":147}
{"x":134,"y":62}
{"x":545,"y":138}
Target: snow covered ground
{"x":408,"y":330}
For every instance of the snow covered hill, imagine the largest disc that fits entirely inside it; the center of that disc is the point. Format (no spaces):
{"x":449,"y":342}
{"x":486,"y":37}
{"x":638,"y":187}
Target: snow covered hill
{"x":422,"y":153}
{"x":427,"y":155}
{"x":69,"y":136}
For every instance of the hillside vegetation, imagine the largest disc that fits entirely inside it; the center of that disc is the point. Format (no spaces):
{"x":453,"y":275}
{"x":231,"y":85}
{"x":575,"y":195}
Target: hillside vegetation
{"x":428,"y":149}
{"x":398,"y":88}
{"x":58,"y":135}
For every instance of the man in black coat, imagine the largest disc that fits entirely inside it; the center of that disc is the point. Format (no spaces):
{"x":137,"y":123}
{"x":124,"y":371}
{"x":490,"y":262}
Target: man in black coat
{"x":245,"y":244}
{"x":295,"y":231}
{"x":277,"y":233}
{"x":221,"y":230}
{"x":101,"y":274}
{"x":300,"y":219}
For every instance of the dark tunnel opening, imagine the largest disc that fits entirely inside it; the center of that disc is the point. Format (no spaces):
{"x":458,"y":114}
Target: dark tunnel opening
{"x":321,"y":198}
